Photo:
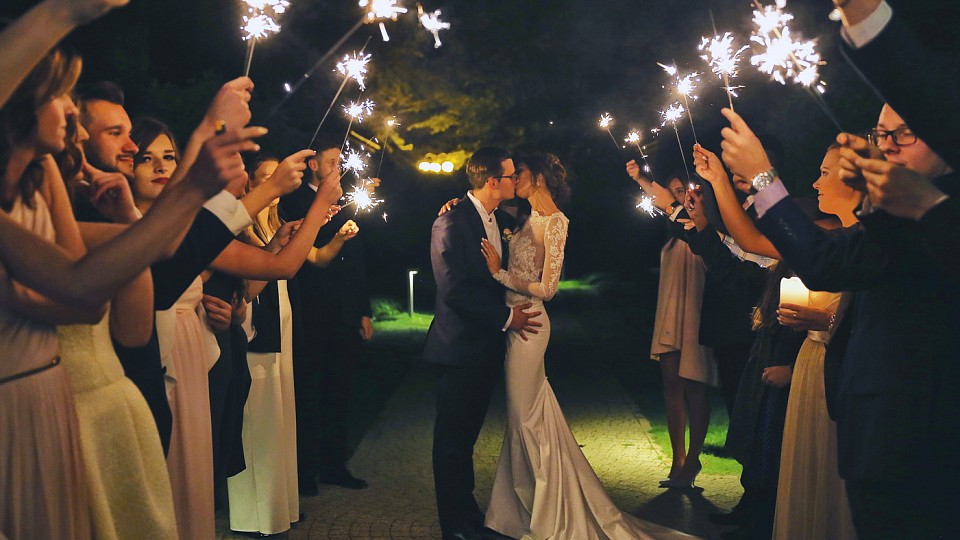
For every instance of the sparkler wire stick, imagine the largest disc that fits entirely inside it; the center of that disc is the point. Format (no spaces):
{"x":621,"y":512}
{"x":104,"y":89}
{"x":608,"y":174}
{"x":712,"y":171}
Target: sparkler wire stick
{"x":683,"y":156}
{"x":604,"y":122}
{"x":332,"y":102}
{"x":249,"y":60}
{"x":726,"y":77}
{"x":316,"y":65}
{"x":814,"y":93}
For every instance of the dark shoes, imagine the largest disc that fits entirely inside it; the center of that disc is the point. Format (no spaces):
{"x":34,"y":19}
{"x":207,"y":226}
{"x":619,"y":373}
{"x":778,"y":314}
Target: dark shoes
{"x":342,"y":478}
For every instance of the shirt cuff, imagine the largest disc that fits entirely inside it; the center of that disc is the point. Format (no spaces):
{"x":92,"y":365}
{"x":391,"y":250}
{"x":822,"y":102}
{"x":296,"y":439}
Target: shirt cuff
{"x":769,"y":196}
{"x":862,"y":33}
{"x":676,"y":212}
{"x":509,"y":320}
{"x":230,"y":211}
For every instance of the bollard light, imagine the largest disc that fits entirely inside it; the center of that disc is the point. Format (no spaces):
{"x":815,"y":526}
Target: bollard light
{"x":410,"y":275}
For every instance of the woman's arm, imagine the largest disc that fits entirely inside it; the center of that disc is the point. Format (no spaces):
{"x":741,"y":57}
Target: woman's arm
{"x":554,"y":242}
{"x":322,"y":257}
{"x":736,"y":220}
{"x":662,"y":197}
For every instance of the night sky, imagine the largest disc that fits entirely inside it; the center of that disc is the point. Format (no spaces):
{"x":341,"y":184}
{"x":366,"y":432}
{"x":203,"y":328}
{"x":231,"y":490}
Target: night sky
{"x":530,"y":75}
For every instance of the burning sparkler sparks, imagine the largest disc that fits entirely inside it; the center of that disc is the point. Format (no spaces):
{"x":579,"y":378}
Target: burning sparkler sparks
{"x":381,"y":10}
{"x":431,"y":23}
{"x":670,"y":116}
{"x":719,"y":54}
{"x":362,"y":197}
{"x":783,"y":57}
{"x":605,"y":122}
{"x":354,"y":66}
{"x":646,"y":204}
{"x":354,"y":161}
{"x":357,"y":110}
{"x":635,"y":139}
{"x":685,"y":86}
{"x":259,"y":23}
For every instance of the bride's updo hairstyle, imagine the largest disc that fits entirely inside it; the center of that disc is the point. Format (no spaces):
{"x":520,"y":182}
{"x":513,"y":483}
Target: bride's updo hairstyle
{"x":554,"y":175}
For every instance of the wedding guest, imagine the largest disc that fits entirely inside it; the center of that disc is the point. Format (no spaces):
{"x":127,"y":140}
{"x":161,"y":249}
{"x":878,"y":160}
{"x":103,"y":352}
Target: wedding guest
{"x":893,"y":387}
{"x":187,"y":347}
{"x":687,"y":367}
{"x":336,"y":301}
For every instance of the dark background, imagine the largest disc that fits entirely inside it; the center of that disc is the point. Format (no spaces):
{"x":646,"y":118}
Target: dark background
{"x":530,"y":75}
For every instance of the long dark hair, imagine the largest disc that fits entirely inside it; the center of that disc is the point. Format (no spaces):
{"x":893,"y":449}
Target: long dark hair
{"x":54,"y":76}
{"x":765,"y":315}
{"x":145,"y":130}
{"x":554,"y":175}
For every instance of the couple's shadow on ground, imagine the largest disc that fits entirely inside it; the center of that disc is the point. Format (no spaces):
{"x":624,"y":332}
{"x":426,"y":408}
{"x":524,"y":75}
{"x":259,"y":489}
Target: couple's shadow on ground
{"x":682,"y":506}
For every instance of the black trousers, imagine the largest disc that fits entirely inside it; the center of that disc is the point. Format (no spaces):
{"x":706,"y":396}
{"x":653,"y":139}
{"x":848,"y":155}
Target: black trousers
{"x":463,"y":396}
{"x":922,"y":509}
{"x":731,"y":360}
{"x":324,"y":371}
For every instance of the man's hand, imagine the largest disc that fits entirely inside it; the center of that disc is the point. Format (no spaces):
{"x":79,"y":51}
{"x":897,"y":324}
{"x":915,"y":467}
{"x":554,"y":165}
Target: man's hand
{"x":219,"y":165}
{"x":708,"y":165}
{"x":447,"y":207}
{"x":777,"y":376}
{"x":239,"y":311}
{"x":366,"y":329}
{"x":633,"y":170}
{"x":898,"y":190}
{"x":110,"y":194}
{"x":803,"y":318}
{"x":289,"y":173}
{"x":693,"y":203}
{"x":219,"y":313}
{"x":491,"y":256}
{"x":231,"y":106}
{"x":742,"y":151}
{"x":330,"y":189}
{"x":522,"y":320}
{"x":852,"y":148}
{"x":349,"y":231}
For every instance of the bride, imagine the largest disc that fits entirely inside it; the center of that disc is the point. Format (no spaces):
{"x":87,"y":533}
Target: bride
{"x":544,"y":486}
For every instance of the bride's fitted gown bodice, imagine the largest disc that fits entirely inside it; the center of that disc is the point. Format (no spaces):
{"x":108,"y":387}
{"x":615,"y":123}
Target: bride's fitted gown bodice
{"x":125,"y":471}
{"x":544,"y":487}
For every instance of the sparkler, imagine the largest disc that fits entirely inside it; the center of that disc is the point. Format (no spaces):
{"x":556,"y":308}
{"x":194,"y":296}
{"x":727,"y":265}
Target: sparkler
{"x":670,"y":116}
{"x":356,"y":110}
{"x":353,"y":160}
{"x":259,"y":23}
{"x":362,"y":197}
{"x":646,"y":204}
{"x":605,"y":122}
{"x":355,"y":67}
{"x":381,"y":10}
{"x":786,"y":58}
{"x":431,"y":23}
{"x":722,"y":59}
{"x":685,"y":86}
{"x":635,"y":138}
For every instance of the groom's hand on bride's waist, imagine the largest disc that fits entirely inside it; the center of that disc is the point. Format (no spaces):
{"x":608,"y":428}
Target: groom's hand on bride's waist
{"x":523,"y":321}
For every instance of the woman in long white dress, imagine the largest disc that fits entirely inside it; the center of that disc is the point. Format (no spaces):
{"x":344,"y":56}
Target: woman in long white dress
{"x":544,"y":487}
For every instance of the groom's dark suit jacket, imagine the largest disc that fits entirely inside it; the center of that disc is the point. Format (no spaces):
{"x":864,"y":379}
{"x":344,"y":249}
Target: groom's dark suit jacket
{"x":897,"y":399}
{"x":467,"y":328}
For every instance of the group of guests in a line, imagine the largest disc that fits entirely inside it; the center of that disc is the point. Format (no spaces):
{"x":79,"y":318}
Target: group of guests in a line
{"x":152,"y":301}
{"x":842,"y":402}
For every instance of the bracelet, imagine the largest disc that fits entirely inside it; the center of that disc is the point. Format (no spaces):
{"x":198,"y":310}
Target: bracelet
{"x":832,"y":323}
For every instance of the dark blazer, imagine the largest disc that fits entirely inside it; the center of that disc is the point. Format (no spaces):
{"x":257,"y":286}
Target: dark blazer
{"x":470,"y":312}
{"x":340,"y":292}
{"x":731,"y":290}
{"x":266,"y":320}
{"x":922,"y":88}
{"x":897,"y":400}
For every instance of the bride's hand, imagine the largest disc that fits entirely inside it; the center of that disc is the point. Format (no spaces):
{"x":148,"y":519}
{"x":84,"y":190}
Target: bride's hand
{"x":491,"y":255}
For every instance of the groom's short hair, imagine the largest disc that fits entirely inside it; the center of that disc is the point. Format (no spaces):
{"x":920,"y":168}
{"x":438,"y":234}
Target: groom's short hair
{"x":484,"y":163}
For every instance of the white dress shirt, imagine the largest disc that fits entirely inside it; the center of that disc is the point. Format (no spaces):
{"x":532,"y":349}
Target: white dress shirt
{"x":492,"y":229}
{"x":230,"y":210}
{"x":862,"y":33}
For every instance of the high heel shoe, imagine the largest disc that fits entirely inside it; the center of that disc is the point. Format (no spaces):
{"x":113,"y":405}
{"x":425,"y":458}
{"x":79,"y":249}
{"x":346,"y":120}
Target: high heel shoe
{"x":679,"y":483}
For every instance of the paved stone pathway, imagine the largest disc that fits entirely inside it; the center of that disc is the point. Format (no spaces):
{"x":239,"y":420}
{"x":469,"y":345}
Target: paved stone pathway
{"x":394,"y":455}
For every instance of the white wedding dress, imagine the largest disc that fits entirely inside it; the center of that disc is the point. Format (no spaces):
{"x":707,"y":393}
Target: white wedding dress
{"x":544,"y":487}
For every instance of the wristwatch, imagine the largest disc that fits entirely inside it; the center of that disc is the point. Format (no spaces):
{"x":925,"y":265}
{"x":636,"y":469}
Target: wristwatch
{"x":763,"y":179}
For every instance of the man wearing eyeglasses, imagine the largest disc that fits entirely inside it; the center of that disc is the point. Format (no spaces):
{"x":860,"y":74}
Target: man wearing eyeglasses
{"x":896,"y":384}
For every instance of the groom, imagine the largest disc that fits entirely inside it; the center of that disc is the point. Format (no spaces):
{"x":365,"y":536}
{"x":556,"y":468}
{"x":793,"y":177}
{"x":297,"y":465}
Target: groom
{"x":467,"y":341}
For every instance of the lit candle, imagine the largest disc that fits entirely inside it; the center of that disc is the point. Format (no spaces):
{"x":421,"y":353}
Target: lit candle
{"x":793,"y":291}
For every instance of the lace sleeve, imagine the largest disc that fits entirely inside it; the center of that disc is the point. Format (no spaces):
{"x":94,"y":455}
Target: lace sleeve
{"x":554,"y":242}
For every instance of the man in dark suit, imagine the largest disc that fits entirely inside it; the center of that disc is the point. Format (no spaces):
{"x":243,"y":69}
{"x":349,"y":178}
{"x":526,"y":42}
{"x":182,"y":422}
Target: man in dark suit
{"x":466,"y":340}
{"x":335,"y":315}
{"x":897,"y":399}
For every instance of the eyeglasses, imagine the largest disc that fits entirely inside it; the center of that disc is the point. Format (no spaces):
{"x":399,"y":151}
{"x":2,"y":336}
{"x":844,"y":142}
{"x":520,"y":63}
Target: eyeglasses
{"x":510,"y":176}
{"x":902,"y":136}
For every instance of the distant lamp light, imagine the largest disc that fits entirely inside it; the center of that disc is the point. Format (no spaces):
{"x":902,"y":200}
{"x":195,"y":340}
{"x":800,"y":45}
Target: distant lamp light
{"x":435,"y":167}
{"x":287,"y":88}
{"x":424,"y":166}
{"x":447,"y":166}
